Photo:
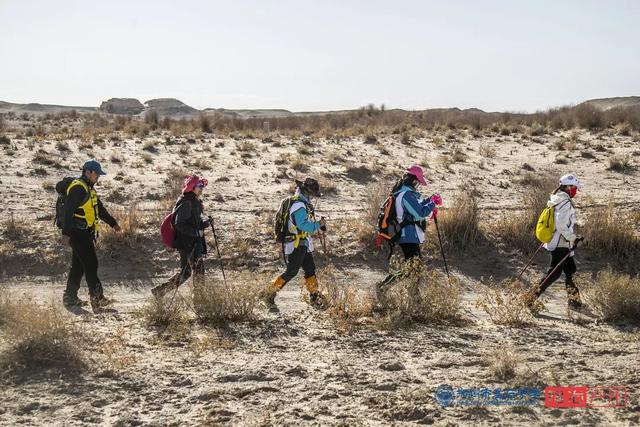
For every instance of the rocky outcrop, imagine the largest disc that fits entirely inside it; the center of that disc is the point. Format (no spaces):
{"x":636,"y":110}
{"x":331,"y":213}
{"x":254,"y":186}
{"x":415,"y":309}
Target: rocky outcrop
{"x":169,"y":107}
{"x":128,"y":106}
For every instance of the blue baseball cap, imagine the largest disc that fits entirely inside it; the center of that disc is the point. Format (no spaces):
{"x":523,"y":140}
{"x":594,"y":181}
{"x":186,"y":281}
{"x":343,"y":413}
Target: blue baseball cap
{"x":93,"y":165}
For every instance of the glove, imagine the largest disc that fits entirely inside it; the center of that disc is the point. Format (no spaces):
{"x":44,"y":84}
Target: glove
{"x":206,"y":223}
{"x":378,"y":241}
{"x":434,"y":213}
{"x":437,"y":199}
{"x":323,"y":224}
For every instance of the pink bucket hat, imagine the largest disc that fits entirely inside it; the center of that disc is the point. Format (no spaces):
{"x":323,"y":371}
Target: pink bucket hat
{"x":191,"y":181}
{"x":416,"y":171}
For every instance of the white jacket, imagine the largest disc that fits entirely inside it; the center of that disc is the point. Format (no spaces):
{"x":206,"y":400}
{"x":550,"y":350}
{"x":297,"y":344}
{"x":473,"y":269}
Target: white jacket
{"x":565,"y":219}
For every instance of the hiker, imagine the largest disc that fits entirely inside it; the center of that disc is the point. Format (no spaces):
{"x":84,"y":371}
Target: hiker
{"x":81,"y":213}
{"x":299,"y":223}
{"x":564,"y":238}
{"x":189,"y":239}
{"x":411,"y":211}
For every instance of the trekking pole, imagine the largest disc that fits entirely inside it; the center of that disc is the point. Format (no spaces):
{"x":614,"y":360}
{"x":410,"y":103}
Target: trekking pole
{"x":444,"y":258}
{"x":530,"y":261}
{"x":560,"y":263}
{"x":215,"y":241}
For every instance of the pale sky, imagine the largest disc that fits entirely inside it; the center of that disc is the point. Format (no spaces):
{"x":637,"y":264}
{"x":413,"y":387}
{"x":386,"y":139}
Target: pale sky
{"x":320,"y":55}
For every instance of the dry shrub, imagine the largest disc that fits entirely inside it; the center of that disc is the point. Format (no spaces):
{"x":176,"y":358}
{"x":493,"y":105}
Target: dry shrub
{"x":167,"y":312}
{"x":459,"y":224}
{"x":5,"y":306}
{"x":40,"y":338}
{"x":518,"y":228}
{"x":487,"y":150}
{"x":507,"y":303}
{"x":345,"y":303}
{"x":615,"y":297}
{"x":115,"y":357}
{"x":215,"y":301}
{"x":130,"y":235}
{"x":620,"y":163}
{"x":609,"y":232}
{"x":421,"y":295}
{"x":503,"y":362}
{"x":16,"y":229}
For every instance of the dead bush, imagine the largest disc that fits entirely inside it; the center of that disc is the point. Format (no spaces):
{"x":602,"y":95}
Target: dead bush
{"x":609,"y":232}
{"x":518,"y":228}
{"x":130,"y":235}
{"x":614,"y":297}
{"x":347,"y":305}
{"x":502,"y":362}
{"x":506,"y":303}
{"x":215,"y":302}
{"x":5,"y":306}
{"x":16,"y":228}
{"x":167,"y":312}
{"x":40,"y":338}
{"x":620,"y":163}
{"x":421,"y":295}
{"x":487,"y":150}
{"x":459,"y":223}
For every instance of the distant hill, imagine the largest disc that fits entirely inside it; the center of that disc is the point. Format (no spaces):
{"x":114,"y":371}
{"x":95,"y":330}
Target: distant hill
{"x":604,"y":104}
{"x":175,"y":108}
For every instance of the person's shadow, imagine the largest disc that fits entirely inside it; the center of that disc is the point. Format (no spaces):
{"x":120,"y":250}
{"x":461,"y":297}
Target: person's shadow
{"x":79,"y":311}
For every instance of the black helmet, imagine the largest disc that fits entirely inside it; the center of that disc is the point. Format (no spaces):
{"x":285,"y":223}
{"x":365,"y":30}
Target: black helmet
{"x":310,"y":186}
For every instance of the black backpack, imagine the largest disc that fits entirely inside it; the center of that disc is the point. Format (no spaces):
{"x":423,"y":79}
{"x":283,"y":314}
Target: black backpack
{"x":61,"y":188}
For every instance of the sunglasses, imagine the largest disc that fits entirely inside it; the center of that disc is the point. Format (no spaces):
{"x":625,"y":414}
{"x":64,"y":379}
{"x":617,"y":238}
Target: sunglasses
{"x":200,"y":185}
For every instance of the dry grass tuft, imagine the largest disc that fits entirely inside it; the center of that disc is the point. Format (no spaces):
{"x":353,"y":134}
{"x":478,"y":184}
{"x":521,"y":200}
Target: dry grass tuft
{"x":507,"y":303}
{"x":615,"y":297}
{"x":40,"y":338}
{"x":518,"y":228}
{"x":130,"y":236}
{"x":503,"y":362}
{"x":609,"y":232}
{"x":421,"y":295}
{"x":346,"y":304}
{"x":620,"y":163}
{"x":215,"y":302}
{"x":459,"y":224}
{"x":168,"y":312}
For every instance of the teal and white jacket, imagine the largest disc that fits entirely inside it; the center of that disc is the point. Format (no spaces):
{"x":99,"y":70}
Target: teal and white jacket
{"x":410,"y":207}
{"x":300,"y":221}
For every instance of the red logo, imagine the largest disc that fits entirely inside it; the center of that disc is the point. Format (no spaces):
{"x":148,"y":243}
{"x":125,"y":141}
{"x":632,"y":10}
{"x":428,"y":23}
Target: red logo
{"x":582,"y":397}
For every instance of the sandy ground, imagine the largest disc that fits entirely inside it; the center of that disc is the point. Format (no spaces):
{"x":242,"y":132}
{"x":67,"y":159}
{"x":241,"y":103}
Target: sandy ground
{"x":297,"y":367}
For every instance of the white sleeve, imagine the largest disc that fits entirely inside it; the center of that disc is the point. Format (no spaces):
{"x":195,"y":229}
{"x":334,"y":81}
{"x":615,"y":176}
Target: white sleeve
{"x":564,"y":221}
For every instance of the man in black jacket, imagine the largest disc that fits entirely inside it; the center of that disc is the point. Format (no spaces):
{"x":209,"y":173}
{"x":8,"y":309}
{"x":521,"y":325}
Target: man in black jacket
{"x":189,"y":240}
{"x":83,"y":211}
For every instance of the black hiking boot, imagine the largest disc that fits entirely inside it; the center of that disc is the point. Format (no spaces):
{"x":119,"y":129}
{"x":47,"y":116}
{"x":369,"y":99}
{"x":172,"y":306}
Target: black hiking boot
{"x":575,"y":304}
{"x":104,"y":301}
{"x":95,"y":305}
{"x":270,"y":302}
{"x":317,"y":300}
{"x":71,"y":302}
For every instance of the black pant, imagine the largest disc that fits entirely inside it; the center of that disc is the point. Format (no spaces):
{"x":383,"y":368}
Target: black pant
{"x":190,"y":261}
{"x":411,"y":250}
{"x":568,"y":267}
{"x":84,"y":262}
{"x":300,"y":257}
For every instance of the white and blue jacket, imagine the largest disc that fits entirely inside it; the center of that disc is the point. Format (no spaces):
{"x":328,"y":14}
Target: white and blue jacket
{"x":300,"y":221}
{"x":411,"y":206}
